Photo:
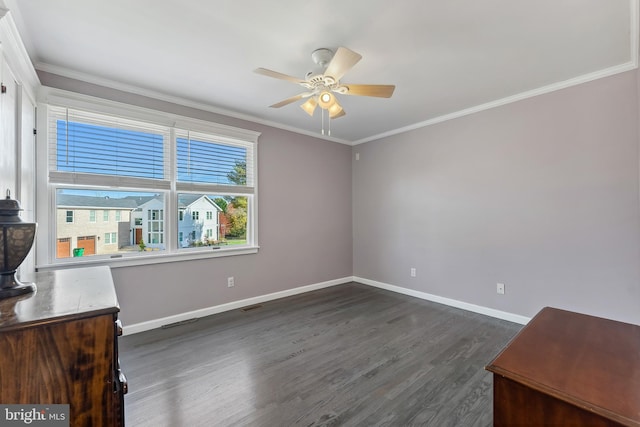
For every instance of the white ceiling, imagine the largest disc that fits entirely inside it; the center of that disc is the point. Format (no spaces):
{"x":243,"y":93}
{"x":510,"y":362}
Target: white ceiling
{"x":445,"y":57}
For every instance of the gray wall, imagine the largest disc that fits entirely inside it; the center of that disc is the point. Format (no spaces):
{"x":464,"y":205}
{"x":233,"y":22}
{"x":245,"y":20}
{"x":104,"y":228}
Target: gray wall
{"x":541,"y":195}
{"x":305,"y":232}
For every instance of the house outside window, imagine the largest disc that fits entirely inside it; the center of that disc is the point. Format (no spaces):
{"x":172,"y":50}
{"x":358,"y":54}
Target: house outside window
{"x":144,"y":162}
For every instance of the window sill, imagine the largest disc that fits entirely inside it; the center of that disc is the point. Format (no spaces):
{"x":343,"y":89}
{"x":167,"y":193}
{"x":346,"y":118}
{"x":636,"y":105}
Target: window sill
{"x":144,"y":259}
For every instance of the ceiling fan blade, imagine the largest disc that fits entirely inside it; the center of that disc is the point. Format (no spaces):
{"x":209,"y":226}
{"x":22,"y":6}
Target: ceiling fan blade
{"x":343,"y":60}
{"x":381,"y":91}
{"x":277,"y":75}
{"x":288,"y":101}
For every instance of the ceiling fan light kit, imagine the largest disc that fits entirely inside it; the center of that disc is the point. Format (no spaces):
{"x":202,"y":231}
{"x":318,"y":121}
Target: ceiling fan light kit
{"x":326,"y":100}
{"x":310,"y":106}
{"x":322,"y":84}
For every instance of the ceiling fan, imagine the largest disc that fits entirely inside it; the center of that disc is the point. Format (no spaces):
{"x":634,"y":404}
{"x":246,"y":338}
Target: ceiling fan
{"x":324,"y":81}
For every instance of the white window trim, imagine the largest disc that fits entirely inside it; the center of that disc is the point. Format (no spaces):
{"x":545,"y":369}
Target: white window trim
{"x":45,"y":247}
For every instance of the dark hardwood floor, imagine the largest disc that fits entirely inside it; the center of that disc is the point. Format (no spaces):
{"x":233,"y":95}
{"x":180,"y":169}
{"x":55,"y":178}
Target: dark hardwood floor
{"x":347,"y":355}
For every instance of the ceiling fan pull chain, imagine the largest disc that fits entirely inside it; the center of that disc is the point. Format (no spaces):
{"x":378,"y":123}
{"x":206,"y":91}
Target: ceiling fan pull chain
{"x":322,"y":115}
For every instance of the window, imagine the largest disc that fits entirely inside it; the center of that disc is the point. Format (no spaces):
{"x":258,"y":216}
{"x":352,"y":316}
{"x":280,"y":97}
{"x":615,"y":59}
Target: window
{"x":156,"y":171}
{"x":155,"y":225}
{"x":134,"y":202}
{"x":110,"y":238}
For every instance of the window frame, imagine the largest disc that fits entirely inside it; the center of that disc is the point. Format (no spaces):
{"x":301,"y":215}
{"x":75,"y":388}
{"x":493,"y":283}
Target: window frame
{"x":46,"y":190}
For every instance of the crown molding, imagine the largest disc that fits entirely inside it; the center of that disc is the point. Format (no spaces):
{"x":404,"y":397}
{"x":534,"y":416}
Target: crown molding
{"x":111,"y":84}
{"x":508,"y":100}
{"x":634,"y":45}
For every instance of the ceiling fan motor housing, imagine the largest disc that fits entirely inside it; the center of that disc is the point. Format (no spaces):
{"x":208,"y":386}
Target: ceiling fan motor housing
{"x":321,"y":57}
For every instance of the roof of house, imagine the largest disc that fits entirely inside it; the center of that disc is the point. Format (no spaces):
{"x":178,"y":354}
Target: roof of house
{"x":186,"y":200}
{"x":128,"y":202}
{"x":79,"y":201}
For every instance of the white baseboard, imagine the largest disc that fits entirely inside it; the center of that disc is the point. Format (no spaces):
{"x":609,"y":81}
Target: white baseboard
{"x":157,"y":323}
{"x":234,"y":305}
{"x":515,"y":318}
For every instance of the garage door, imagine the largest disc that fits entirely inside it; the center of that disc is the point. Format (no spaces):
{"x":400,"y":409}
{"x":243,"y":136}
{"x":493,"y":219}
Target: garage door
{"x":88,"y":243}
{"x":63,"y":248}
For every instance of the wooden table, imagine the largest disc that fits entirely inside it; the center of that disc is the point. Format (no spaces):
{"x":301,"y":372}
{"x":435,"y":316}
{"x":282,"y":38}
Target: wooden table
{"x":59,"y":345}
{"x":566,"y":368}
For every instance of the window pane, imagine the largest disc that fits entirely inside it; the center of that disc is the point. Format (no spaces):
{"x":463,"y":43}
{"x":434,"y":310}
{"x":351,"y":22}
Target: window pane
{"x":102,"y":144}
{"x":104,"y":238}
{"x":209,"y":162}
{"x":227,"y":224}
{"x":104,"y":150}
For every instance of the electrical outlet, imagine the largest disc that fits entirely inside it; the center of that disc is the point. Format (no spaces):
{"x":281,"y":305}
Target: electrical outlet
{"x":230,"y":282}
{"x":413,"y":272}
{"x":500,"y":288}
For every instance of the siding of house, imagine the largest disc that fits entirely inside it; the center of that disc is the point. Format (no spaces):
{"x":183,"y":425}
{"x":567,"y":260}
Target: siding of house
{"x":82,"y":226}
{"x":202,"y":224}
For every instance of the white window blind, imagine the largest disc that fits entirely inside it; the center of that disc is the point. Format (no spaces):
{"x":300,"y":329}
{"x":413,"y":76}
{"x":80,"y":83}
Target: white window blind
{"x":97,"y":149}
{"x":213,"y":163}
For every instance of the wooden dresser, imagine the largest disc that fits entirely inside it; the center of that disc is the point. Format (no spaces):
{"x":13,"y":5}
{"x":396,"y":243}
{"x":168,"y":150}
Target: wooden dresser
{"x":60,"y":345}
{"x":569,"y":369}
